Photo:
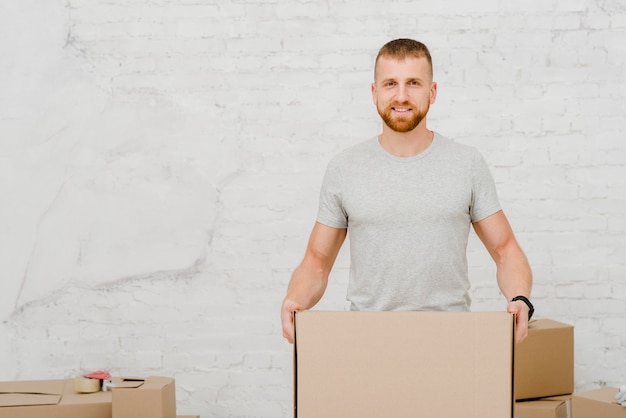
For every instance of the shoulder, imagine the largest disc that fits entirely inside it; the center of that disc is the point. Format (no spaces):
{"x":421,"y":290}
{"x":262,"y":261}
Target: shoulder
{"x":453,"y":151}
{"x":450,"y":145}
{"x":356,"y":154}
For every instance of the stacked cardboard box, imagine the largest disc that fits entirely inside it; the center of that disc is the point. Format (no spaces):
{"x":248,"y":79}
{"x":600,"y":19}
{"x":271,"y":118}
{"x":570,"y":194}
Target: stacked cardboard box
{"x":549,"y":407}
{"x":544,"y":367}
{"x":544,"y":371}
{"x":151,"y":397}
{"x":407,"y":364}
{"x":598,"y":403}
{"x":154,"y":397}
{"x":51,"y":399}
{"x":544,"y":361}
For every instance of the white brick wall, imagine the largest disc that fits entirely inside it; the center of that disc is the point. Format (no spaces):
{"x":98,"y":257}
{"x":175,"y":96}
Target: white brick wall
{"x":160,"y":163}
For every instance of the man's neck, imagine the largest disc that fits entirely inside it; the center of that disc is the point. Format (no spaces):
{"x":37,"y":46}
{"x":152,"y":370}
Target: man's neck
{"x":406,"y":144}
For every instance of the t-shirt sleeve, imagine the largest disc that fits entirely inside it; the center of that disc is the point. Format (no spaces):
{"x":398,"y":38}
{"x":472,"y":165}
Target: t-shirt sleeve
{"x":484,"y":195}
{"x":331,"y":210}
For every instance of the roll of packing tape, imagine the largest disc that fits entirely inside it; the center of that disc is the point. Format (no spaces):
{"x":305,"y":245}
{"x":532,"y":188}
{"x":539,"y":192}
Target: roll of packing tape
{"x":86,"y":385}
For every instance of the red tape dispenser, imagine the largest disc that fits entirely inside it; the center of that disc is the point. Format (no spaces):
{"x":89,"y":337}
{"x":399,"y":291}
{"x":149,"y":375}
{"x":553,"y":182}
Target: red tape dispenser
{"x":93,"y":382}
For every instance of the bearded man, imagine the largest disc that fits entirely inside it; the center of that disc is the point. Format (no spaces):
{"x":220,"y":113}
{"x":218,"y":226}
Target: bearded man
{"x":408,"y":198}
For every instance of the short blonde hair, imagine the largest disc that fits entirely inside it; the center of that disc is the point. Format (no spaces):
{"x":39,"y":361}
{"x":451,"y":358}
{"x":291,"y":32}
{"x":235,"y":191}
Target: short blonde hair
{"x":402,"y":48}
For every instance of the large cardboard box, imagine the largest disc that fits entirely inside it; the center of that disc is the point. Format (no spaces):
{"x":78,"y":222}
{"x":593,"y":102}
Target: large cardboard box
{"x":51,"y":399}
{"x":552,"y":407}
{"x":151,"y":397}
{"x":544,"y":361}
{"x":599,"y":403}
{"x":403,"y":364}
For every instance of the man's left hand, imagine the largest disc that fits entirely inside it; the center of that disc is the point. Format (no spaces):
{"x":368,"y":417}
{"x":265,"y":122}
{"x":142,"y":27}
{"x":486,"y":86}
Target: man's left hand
{"x":520,"y":309}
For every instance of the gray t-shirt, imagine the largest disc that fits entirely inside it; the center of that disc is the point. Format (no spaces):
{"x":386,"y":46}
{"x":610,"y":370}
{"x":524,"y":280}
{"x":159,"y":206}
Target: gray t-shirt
{"x":408,"y":222}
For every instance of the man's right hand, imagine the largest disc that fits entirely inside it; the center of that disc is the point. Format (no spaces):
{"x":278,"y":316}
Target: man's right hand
{"x":286,"y":315}
{"x":309,"y":280}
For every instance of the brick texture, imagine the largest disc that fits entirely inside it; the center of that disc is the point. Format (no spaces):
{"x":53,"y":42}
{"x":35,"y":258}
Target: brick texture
{"x":160,"y":163}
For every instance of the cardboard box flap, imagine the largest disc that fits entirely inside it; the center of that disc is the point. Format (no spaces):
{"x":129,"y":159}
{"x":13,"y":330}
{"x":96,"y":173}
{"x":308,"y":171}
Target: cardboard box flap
{"x":606,"y":395}
{"x":156,"y":382}
{"x":540,"y":404}
{"x":562,"y":398}
{"x":27,"y":399}
{"x":128,"y":382}
{"x":35,"y":392}
{"x":45,"y":387}
{"x":150,"y":382}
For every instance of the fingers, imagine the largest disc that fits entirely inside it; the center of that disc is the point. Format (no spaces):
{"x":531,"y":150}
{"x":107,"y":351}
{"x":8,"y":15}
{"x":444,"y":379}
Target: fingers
{"x":515,"y":307}
{"x":288,"y":331}
{"x":521,"y":332}
{"x":521,"y":319}
{"x":287,"y":311}
{"x":521,"y":329}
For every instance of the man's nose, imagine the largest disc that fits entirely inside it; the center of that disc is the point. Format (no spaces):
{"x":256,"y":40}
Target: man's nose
{"x":402,"y":94}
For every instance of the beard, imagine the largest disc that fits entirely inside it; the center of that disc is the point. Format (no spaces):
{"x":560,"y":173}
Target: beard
{"x":402,"y":123}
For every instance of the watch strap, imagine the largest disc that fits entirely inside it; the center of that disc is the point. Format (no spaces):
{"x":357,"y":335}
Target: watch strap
{"x":531,"y":308}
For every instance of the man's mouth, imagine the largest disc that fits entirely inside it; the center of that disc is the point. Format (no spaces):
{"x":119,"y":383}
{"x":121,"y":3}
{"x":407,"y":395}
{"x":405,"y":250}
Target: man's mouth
{"x":400,"y":109}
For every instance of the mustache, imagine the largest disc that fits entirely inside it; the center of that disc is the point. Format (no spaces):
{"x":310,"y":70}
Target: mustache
{"x":402,"y":104}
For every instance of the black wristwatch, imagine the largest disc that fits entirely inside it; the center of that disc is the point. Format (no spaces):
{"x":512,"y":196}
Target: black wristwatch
{"x":531,"y":308}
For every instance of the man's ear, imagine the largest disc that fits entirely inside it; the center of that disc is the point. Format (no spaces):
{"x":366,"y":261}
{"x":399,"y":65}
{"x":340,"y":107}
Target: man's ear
{"x":374,"y":93}
{"x":433,"y":92}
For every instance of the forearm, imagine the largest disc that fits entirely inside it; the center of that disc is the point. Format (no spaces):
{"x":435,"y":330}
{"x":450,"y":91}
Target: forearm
{"x":514,"y":274}
{"x":308,"y":282}
{"x":309,"y":279}
{"x":513,"y":271}
{"x":307,"y":286}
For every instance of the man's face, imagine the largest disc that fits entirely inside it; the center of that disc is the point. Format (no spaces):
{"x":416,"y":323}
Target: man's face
{"x":403,"y":92}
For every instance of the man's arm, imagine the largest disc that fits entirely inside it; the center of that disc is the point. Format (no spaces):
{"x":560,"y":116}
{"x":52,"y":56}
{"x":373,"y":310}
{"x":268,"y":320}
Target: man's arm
{"x":310,"y":278}
{"x":512,"y":269}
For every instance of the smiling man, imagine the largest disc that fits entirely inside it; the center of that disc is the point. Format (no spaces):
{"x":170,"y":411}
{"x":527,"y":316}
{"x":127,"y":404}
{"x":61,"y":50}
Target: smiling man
{"x":408,"y":198}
